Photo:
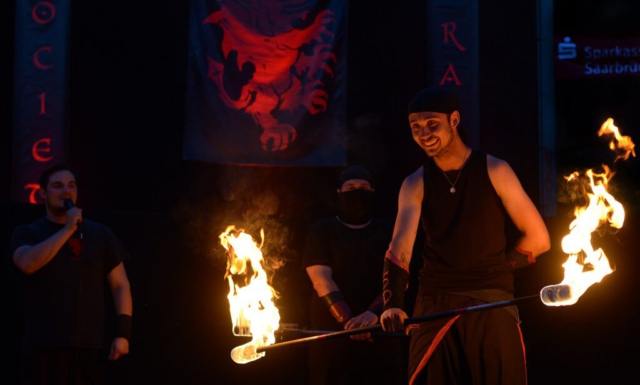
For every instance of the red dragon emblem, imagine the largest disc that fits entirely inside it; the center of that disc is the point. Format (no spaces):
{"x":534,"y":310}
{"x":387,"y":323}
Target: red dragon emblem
{"x":273,"y":58}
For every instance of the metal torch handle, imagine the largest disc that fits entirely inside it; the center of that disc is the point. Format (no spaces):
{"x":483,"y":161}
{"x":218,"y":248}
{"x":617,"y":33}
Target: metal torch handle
{"x":408,"y":321}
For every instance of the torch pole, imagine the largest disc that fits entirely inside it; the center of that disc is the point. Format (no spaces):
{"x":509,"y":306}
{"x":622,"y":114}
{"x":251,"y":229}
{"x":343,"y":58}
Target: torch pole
{"x":306,"y":332}
{"x":407,"y":322}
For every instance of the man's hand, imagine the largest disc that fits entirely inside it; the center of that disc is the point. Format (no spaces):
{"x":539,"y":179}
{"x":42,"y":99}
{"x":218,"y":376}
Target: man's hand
{"x":74,"y":216}
{"x":363,"y":320}
{"x":119,"y":347}
{"x":392,"y":320}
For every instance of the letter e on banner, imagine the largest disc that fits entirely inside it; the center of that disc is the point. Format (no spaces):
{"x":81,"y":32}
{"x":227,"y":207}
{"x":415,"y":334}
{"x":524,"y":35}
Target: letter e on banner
{"x":41,"y":146}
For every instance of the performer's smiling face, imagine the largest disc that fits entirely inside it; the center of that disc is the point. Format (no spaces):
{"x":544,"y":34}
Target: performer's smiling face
{"x":432,"y":131}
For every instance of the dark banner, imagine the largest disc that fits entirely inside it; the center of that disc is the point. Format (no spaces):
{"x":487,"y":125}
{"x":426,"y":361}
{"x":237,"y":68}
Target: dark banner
{"x":267,"y":82}
{"x":40,"y":81}
{"x":452,"y":32}
{"x":596,"y":58}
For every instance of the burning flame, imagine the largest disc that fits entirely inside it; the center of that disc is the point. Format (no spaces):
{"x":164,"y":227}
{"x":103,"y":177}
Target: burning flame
{"x":586,"y":266}
{"x":251,"y":298}
{"x":622,"y":145}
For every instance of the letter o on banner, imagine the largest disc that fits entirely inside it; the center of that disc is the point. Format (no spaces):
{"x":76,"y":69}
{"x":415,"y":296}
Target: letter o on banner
{"x":43,"y":12}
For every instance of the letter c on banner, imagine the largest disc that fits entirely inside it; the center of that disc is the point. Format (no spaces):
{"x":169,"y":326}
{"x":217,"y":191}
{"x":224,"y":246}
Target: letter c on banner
{"x":36,"y":150}
{"x":36,"y":58}
{"x":43,"y":12}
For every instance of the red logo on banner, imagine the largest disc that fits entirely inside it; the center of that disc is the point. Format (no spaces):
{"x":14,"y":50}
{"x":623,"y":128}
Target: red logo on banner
{"x":270,"y":70}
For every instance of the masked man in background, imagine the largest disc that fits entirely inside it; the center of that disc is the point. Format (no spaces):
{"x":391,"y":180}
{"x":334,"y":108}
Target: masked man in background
{"x":343,"y":257}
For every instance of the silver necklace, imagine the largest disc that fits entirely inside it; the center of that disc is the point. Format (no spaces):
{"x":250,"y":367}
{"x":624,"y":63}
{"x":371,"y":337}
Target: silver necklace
{"x":453,"y":185}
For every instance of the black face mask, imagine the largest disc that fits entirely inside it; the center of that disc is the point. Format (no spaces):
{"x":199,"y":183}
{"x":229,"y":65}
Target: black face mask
{"x":355,"y":206}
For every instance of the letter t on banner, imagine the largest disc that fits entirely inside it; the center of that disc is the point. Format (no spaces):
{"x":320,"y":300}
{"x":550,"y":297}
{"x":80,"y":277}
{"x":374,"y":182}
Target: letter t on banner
{"x":40,"y":93}
{"x":452,"y":34}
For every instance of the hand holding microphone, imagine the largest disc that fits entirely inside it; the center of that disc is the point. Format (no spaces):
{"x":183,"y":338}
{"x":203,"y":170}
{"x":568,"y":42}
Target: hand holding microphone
{"x":76,"y":214}
{"x":76,"y":242}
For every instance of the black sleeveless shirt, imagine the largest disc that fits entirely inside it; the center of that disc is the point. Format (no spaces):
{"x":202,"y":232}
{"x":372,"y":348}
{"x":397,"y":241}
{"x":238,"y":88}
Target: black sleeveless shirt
{"x":465,"y":240}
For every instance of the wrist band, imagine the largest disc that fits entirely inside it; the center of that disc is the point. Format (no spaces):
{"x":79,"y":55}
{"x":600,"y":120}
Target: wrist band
{"x":124,"y":326}
{"x":518,"y":258}
{"x":394,"y":284}
{"x":333,"y":297}
{"x":337,"y":306}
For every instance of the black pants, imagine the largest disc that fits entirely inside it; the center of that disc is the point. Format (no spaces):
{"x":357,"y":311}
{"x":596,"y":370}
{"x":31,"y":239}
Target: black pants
{"x":63,"y":366}
{"x":480,"y":348}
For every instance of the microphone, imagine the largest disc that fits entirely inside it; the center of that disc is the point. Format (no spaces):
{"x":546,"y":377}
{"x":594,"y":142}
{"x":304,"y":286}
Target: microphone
{"x":76,"y":242}
{"x":68,"y":204}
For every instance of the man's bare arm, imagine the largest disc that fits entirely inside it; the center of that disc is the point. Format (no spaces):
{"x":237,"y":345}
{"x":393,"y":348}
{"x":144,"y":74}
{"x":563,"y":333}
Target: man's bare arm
{"x":523,"y":213}
{"x":408,"y":217}
{"x":30,"y":259}
{"x":321,"y":278}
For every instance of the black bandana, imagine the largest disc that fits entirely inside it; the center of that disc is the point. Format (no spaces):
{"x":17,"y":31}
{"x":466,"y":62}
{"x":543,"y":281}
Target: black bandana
{"x":435,"y":99}
{"x":354,"y":172}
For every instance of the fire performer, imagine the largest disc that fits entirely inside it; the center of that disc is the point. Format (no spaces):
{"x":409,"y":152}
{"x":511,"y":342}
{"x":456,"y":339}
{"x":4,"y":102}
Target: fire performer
{"x":461,"y":197}
{"x":343,"y":258}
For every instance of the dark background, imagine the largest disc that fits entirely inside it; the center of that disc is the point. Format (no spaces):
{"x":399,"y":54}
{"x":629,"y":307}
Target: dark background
{"x":126,"y":118}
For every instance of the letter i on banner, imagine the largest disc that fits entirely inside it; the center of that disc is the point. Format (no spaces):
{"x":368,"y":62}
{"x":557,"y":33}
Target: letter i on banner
{"x":40,"y":93}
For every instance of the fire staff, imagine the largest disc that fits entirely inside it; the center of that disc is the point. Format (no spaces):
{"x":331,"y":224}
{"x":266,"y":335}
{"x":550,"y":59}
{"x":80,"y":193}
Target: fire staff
{"x":461,"y":197}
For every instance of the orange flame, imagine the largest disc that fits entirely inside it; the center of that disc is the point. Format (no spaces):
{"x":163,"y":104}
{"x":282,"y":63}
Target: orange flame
{"x":622,"y":145}
{"x":586,"y":266}
{"x":251,"y":298}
